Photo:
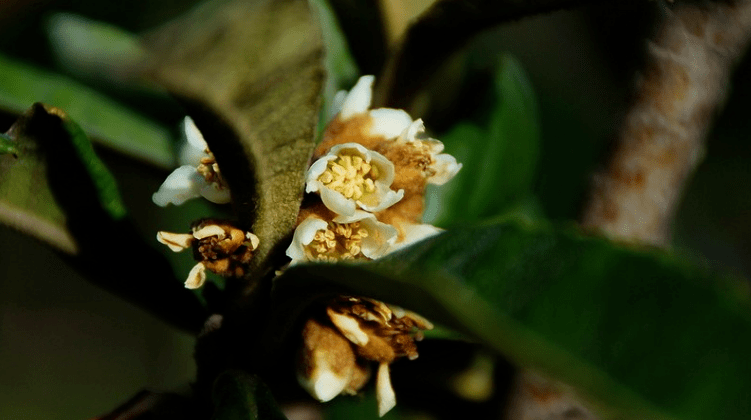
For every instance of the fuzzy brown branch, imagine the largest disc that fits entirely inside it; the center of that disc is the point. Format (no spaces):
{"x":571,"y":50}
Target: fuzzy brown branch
{"x":662,"y":140}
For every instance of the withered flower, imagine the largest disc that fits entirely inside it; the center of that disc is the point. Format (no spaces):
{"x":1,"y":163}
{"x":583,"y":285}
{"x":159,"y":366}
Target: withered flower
{"x":217,"y":245}
{"x":375,"y":332}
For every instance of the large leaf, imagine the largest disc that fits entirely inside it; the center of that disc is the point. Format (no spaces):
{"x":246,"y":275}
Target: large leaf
{"x":107,"y":121}
{"x":439,"y":32}
{"x":251,"y":74}
{"x":57,"y":190}
{"x":499,"y":151}
{"x":240,"y":396}
{"x":640,"y":333}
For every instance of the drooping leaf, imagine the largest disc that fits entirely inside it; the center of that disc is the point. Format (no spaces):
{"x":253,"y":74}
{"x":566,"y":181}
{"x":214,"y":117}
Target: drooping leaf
{"x":241,"y":396}
{"x":439,"y":32}
{"x":251,"y":74}
{"x":641,"y":334}
{"x":107,"y":121}
{"x":93,"y":49}
{"x":499,"y":153}
{"x":57,"y":190}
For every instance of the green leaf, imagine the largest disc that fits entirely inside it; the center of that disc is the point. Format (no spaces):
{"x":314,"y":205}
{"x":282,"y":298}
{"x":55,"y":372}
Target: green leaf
{"x":7,"y":146}
{"x":241,"y":396}
{"x":640,"y":333}
{"x":93,"y":49}
{"x":499,"y":154}
{"x":58,"y":191}
{"x":110,"y":123}
{"x":251,"y":74}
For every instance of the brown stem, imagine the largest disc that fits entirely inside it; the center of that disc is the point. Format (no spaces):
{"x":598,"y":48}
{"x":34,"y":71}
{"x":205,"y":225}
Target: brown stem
{"x":662,"y":139}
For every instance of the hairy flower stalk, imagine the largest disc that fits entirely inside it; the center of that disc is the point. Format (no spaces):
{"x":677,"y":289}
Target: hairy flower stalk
{"x":218,"y":246}
{"x":369,"y":173}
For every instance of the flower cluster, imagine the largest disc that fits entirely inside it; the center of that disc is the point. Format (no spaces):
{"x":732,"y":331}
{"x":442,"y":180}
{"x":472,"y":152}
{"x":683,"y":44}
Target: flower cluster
{"x":367,"y":185}
{"x":370,"y":172}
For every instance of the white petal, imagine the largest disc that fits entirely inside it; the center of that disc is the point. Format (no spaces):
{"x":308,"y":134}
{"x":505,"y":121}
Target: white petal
{"x":388,"y":122}
{"x":359,"y":98}
{"x":215,"y":194}
{"x":349,"y":327}
{"x":254,"y":241}
{"x":388,"y":197}
{"x":175,"y":241}
{"x":317,"y":169}
{"x":209,"y":230}
{"x":337,"y":202}
{"x":196,"y":277}
{"x":304,"y":234}
{"x":415,"y":233}
{"x":384,"y":392}
{"x":410,"y":133}
{"x":445,"y":167}
{"x":193,"y":150}
{"x":381,"y":236}
{"x":180,"y":186}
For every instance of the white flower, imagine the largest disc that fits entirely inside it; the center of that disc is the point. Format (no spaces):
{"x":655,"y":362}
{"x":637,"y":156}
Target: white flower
{"x":350,"y":176}
{"x":197,"y":177}
{"x":386,"y":122}
{"x":359,"y":236}
{"x":442,"y":166}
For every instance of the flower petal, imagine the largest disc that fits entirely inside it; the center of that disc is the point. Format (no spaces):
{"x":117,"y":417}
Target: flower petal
{"x":445,"y":167}
{"x":384,"y":392}
{"x":180,"y":186}
{"x":381,"y":236}
{"x":196,"y":277}
{"x":194,"y":148}
{"x":388,"y":122}
{"x":349,"y":327}
{"x":358,"y":99}
{"x":304,"y":234}
{"x":414,"y":232}
{"x":175,"y":241}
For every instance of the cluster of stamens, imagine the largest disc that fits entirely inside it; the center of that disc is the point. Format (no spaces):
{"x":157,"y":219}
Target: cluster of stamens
{"x":350,"y":175}
{"x":339,"y":241}
{"x":209,"y":169}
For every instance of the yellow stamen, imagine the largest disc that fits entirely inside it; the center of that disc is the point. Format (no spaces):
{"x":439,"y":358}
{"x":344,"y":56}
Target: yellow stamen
{"x":350,"y":175}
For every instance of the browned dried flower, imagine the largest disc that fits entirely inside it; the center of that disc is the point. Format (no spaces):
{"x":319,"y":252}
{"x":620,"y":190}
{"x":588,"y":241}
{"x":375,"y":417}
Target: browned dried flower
{"x":357,"y":331}
{"x":217,"y":245}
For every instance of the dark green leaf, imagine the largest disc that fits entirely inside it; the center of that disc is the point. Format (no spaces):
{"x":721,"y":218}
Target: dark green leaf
{"x":499,"y":156}
{"x":110,"y":123}
{"x":640,"y":333}
{"x":251,"y":74}
{"x":439,"y":32}
{"x":60,"y":192}
{"x":241,"y":396}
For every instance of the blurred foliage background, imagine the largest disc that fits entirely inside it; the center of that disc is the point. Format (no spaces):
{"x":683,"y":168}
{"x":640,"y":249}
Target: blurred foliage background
{"x":71,"y":350}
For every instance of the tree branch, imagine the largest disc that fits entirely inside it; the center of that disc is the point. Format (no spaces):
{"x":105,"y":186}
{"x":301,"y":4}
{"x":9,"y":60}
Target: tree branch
{"x":662,"y":140}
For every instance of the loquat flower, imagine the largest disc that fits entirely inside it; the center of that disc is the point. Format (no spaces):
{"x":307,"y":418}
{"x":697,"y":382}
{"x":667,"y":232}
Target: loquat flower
{"x":217,"y":245}
{"x":198,"y":175}
{"x":350,"y":176}
{"x":357,"y":237}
